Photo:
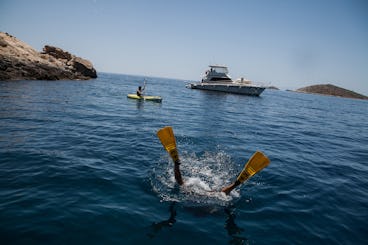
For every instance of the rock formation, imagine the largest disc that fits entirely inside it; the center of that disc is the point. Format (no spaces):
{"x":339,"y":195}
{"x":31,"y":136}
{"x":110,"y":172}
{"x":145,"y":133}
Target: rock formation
{"x":329,"y":89}
{"x":19,"y":61}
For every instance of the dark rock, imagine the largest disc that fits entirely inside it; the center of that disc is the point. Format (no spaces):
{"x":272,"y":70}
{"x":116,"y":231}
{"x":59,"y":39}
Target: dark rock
{"x":58,"y":53}
{"x":84,"y":67}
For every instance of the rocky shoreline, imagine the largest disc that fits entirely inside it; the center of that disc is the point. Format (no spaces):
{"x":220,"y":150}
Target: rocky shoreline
{"x":19,"y":61}
{"x":332,"y":90}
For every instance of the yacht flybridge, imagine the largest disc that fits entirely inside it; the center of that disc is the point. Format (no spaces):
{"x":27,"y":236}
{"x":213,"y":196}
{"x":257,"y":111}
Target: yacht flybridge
{"x":216,"y":78}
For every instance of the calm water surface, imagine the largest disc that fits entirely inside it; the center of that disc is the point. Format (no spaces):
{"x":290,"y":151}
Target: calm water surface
{"x":81,"y":163}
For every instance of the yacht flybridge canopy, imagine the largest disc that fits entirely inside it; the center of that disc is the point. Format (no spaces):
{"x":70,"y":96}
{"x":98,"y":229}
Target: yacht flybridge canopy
{"x":216,"y":73}
{"x":219,"y":69}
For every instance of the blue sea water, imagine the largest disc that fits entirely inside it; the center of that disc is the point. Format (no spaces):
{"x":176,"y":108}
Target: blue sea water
{"x":80,"y":163}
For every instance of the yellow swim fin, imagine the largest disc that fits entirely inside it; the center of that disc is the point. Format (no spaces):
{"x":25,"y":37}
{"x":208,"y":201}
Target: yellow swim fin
{"x":255,"y":164}
{"x":167,"y":138}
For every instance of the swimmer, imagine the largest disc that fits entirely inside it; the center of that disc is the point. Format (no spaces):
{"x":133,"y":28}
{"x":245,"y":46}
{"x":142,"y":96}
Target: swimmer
{"x":255,"y":164}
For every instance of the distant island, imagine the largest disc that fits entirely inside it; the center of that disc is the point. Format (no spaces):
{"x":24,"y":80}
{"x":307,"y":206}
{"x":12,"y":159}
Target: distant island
{"x":329,"y":89}
{"x":19,"y":61}
{"x":273,"y":87}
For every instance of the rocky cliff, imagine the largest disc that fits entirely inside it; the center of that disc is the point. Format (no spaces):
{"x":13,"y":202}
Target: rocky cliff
{"x":19,"y":61}
{"x":329,"y":89}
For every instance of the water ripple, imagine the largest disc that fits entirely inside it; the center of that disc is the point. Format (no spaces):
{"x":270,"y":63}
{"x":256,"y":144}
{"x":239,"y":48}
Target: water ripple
{"x":79,"y":162}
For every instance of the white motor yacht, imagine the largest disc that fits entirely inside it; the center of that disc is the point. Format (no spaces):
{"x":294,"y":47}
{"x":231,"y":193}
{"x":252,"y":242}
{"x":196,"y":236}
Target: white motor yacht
{"x":216,"y":78}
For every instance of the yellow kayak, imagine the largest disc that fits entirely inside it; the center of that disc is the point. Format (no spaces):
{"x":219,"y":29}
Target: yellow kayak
{"x":145,"y":97}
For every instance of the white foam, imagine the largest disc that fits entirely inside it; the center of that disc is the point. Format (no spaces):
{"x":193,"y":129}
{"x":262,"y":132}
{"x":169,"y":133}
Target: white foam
{"x":197,"y":183}
{"x":203,"y":177}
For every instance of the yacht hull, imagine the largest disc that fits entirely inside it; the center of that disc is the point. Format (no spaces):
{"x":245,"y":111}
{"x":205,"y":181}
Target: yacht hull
{"x":229,"y":88}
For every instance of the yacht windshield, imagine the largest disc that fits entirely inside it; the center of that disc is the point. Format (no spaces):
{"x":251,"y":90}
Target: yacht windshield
{"x":220,"y":69}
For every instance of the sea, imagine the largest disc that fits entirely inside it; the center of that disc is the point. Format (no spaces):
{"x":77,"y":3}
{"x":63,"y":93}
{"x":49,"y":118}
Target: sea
{"x":80,"y":163}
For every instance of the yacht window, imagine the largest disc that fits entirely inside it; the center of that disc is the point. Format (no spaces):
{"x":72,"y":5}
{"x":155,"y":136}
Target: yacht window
{"x":220,"y":69}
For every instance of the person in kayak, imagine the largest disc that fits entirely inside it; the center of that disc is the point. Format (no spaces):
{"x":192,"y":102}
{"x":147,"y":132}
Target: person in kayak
{"x":140,"y":91}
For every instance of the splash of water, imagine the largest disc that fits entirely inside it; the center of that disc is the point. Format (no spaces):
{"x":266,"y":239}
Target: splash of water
{"x":204,"y":176}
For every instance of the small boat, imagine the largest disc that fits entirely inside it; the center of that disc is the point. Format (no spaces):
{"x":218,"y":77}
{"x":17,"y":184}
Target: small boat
{"x":145,"y":97}
{"x":217,"y":79}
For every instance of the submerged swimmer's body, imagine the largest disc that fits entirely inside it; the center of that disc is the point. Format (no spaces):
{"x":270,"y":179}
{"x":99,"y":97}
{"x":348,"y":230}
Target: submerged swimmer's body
{"x":180,"y":181}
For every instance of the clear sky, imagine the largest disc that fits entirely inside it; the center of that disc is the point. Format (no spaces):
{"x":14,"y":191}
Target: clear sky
{"x":285,"y":43}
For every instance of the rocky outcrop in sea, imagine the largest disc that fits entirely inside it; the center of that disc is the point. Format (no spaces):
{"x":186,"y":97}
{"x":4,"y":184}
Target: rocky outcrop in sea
{"x":19,"y":61}
{"x":329,"y":89}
